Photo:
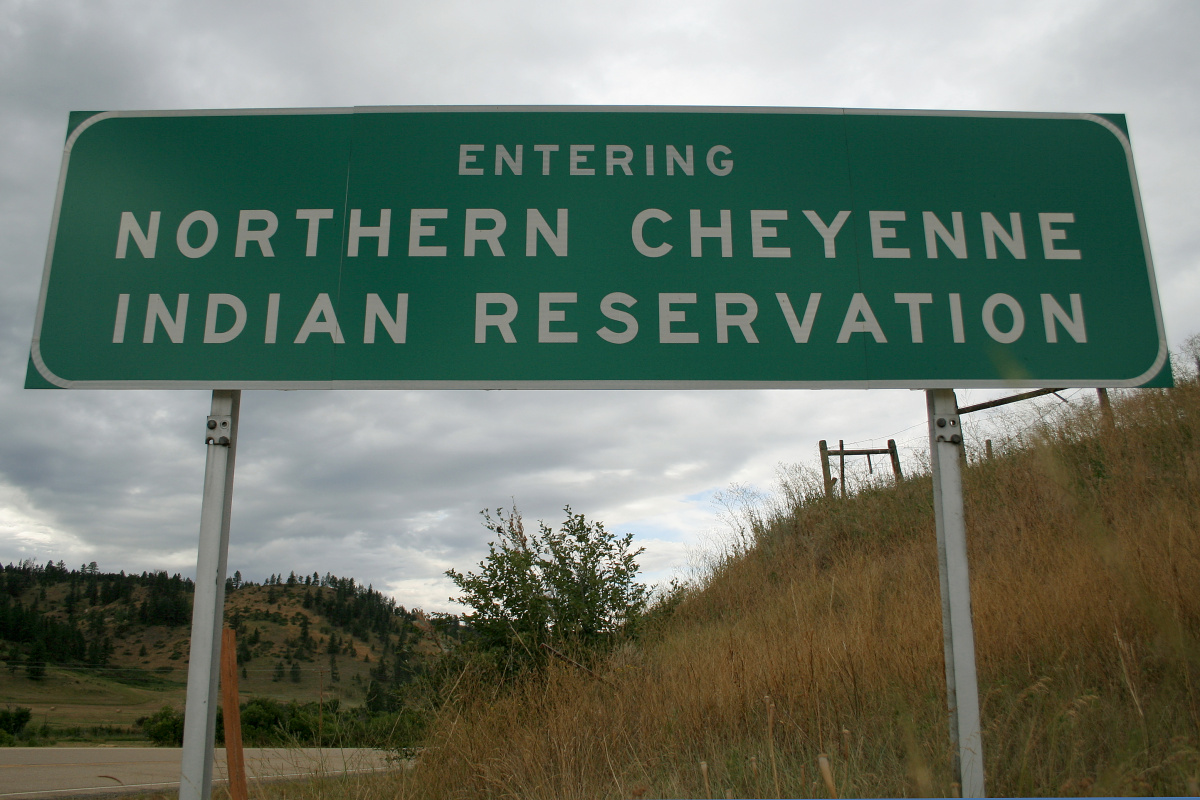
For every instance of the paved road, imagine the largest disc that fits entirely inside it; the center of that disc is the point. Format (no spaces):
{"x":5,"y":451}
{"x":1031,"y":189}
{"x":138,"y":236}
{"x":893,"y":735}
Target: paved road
{"x":32,"y":773}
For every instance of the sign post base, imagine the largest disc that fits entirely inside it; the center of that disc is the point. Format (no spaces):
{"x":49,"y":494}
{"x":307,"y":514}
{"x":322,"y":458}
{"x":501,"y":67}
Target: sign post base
{"x":208,"y":603}
{"x":962,"y":689}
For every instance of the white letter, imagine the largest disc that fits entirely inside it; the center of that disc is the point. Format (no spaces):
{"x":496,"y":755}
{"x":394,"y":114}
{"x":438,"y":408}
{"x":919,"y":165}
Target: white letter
{"x":800,"y":330}
{"x":956,"y":318}
{"x":122,"y":314}
{"x":215,"y":301}
{"x":914,"y":301}
{"x":622,"y":160}
{"x":156,"y":309}
{"x":879,"y":233}
{"x":503,"y":321}
{"x":314,"y":217}
{"x":535,"y":223}
{"x":466,"y":157}
{"x":666,"y":316}
{"x":546,"y":315}
{"x":860,"y":319}
{"x":382,"y":231}
{"x":579,"y":156}
{"x":685,"y":162}
{"x":725,"y":319}
{"x":490,"y":235}
{"x":631,"y":325}
{"x":146,"y":242}
{"x":991,"y":229}
{"x":272,"y":319}
{"x":262,"y":236}
{"x":210,"y":236}
{"x":1073,"y":324}
{"x":396,"y":327}
{"x":639,"y":242}
{"x":1049,"y":234}
{"x":320,"y":319}
{"x":416,"y":230}
{"x":726,"y":166}
{"x":758,"y":232}
{"x":724,"y":232}
{"x":828,"y":232}
{"x":503,"y":157}
{"x":989,"y":318}
{"x":545,"y":150}
{"x":649,"y":159}
{"x":934,"y":230}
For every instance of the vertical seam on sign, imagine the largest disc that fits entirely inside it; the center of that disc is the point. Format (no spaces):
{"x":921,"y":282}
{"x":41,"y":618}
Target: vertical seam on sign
{"x":854,"y":239}
{"x":333,"y":348}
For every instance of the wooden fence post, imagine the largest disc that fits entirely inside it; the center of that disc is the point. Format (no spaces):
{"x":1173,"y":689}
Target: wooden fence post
{"x":235,"y":763}
{"x":842,"y":466}
{"x":824,"y":447}
{"x":894,"y":452}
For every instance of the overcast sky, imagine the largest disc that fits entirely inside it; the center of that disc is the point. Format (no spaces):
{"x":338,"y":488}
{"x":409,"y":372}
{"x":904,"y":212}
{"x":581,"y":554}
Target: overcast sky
{"x":386,"y":486}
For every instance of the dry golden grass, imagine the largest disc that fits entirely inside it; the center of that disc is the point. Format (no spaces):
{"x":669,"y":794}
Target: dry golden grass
{"x":812,"y":662}
{"x":1085,"y":558}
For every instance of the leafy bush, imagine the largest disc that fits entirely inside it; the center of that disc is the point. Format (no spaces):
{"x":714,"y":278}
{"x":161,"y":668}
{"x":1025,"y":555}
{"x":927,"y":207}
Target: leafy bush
{"x":14,"y":720}
{"x":573,"y":586}
{"x":164,"y":728}
{"x":270,"y":723}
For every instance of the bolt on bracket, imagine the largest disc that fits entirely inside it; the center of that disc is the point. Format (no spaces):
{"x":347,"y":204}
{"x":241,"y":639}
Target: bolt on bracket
{"x":218,"y":430}
{"x":953,"y":435}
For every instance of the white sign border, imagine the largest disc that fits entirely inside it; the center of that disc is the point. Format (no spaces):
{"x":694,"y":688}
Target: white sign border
{"x":64,"y":383}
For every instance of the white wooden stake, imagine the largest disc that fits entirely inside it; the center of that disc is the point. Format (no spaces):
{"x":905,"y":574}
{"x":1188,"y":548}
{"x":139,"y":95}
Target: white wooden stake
{"x":208,"y":603}
{"x":962,"y":688}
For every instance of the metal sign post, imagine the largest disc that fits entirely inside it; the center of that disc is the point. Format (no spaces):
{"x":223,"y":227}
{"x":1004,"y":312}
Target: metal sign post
{"x":962,"y":689}
{"x":200,"y":713}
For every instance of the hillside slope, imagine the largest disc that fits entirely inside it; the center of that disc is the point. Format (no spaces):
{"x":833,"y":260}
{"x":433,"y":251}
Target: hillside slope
{"x":86,"y":648}
{"x":825,"y":637}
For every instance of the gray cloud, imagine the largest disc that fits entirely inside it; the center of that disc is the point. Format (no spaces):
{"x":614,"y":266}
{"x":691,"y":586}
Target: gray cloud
{"x":386,"y":486}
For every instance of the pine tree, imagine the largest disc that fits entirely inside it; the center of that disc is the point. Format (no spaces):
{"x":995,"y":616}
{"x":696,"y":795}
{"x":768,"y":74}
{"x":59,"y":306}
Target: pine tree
{"x":35,"y":664}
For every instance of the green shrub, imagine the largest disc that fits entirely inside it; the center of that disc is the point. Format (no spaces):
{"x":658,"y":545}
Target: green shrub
{"x":13,"y":721}
{"x":164,"y":728}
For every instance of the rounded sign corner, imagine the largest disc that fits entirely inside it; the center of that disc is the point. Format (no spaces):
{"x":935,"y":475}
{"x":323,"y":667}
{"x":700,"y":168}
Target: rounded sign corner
{"x":1116,"y":130}
{"x":1160,"y":362}
{"x":43,"y":370}
{"x":85,"y":124}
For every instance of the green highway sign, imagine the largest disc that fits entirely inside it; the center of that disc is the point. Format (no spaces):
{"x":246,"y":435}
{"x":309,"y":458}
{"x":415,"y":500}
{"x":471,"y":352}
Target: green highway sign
{"x":596,"y":247}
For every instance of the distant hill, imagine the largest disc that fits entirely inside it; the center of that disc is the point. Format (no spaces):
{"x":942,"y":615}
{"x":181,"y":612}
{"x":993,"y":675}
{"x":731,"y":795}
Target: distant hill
{"x":82,"y":646}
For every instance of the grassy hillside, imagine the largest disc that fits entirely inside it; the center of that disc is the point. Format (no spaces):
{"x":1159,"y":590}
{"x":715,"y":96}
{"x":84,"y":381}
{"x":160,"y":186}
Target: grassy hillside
{"x":817,"y":631}
{"x":328,"y":640}
{"x":823,"y":636}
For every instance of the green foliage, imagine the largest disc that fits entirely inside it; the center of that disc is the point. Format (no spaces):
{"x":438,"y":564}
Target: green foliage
{"x":268,"y":722}
{"x":164,"y":727}
{"x":271,"y":723}
{"x":35,"y":665}
{"x":573,"y":586}
{"x":14,"y":720}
